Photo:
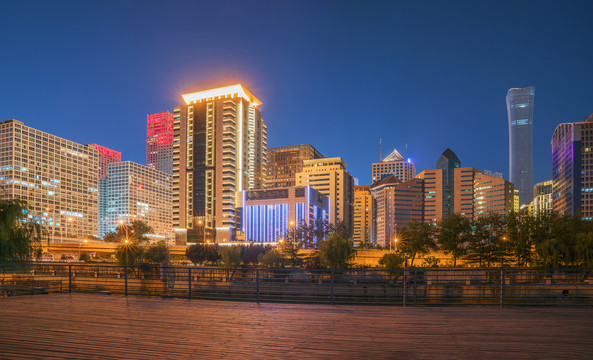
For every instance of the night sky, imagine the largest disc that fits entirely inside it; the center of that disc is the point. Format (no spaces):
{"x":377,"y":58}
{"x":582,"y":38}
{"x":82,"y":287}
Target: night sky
{"x":336,"y":74}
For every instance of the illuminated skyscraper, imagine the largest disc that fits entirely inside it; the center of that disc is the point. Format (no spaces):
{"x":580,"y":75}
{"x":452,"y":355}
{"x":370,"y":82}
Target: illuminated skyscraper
{"x":572,"y":173}
{"x":448,"y":162}
{"x":159,"y":141}
{"x":285,"y":162}
{"x":394,"y":164}
{"x":520,"y":114}
{"x":57,"y":177}
{"x":106,"y":157}
{"x":364,"y":211}
{"x":219,"y":150}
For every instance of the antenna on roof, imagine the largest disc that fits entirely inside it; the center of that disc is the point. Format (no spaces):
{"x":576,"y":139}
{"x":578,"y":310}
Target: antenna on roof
{"x":380,"y":157}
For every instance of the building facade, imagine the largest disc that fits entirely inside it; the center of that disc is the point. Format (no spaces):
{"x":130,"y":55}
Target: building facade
{"x":269,"y":214}
{"x":219,"y":150}
{"x":572,"y":159}
{"x":448,"y":162}
{"x":542,"y":198}
{"x":106,"y":157}
{"x":493,"y":195}
{"x":137,"y":192}
{"x":394,"y":164}
{"x":330,"y":177}
{"x":285,"y":162}
{"x":520,"y":116}
{"x":159,"y":141}
{"x":364,"y":226}
{"x":57,"y":177}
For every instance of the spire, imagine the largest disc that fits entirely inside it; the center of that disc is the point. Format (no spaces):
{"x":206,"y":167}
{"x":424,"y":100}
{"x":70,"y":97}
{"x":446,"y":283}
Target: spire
{"x":394,"y":156}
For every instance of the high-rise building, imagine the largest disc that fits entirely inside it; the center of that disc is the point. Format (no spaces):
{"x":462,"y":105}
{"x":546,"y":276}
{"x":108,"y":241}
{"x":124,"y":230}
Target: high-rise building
{"x":137,"y":192}
{"x":285,"y":162}
{"x":219,"y":150}
{"x":57,"y":177}
{"x":364,"y":209}
{"x":520,"y":116}
{"x":106,"y":157}
{"x":383,"y":193}
{"x":330,"y":177}
{"x":492,"y":195}
{"x":268,"y":214}
{"x":448,"y":162}
{"x":572,"y":173}
{"x":394,"y":164}
{"x":542,"y":197}
{"x":159,"y":141}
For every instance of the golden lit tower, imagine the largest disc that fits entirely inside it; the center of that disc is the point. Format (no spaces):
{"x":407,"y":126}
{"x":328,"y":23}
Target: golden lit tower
{"x":219,"y":150}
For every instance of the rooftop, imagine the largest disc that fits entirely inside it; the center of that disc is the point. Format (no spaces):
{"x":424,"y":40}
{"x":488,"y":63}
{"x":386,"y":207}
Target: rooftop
{"x":220,"y":93}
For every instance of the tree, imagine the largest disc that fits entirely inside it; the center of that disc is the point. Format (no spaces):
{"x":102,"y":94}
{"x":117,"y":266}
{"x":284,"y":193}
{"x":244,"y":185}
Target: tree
{"x":584,"y":249}
{"x":392,"y":261}
{"x":250,"y":254}
{"x":336,"y":252}
{"x":519,"y":234}
{"x":416,"y":238}
{"x":290,"y":245}
{"x":485,"y":246}
{"x":339,"y":227}
{"x":128,"y":253}
{"x":230,"y":255}
{"x":138,"y":230}
{"x":110,"y":237}
{"x":84,"y":257}
{"x":19,"y":239}
{"x":453,"y":234}
{"x":273,"y":258}
{"x":157,"y":253}
{"x":202,"y":253}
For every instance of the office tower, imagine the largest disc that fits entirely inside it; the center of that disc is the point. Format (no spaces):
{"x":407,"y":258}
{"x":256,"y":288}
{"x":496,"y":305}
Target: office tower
{"x":520,"y":114}
{"x":106,"y":157}
{"x":330,"y":177}
{"x":492,"y":195}
{"x":394,"y":164}
{"x":398,"y":204}
{"x":159,"y":141}
{"x":285,"y":162}
{"x":364,"y":209}
{"x":219,"y":150}
{"x":448,"y":162}
{"x":572,"y":176}
{"x":542,"y":198}
{"x":57,"y":177}
{"x":137,"y":192}
{"x":268,"y":214}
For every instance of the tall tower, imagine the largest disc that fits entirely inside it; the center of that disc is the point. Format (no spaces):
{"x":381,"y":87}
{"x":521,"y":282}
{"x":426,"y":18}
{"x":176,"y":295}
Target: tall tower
{"x":520,"y":113}
{"x":448,"y":162}
{"x":159,"y":141}
{"x":394,"y":164}
{"x":219,"y":150}
{"x":285,"y":162}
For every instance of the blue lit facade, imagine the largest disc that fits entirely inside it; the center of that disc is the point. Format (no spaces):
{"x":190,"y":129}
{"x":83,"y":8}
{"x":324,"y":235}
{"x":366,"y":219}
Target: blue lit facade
{"x":520,"y":116}
{"x":267,"y":214}
{"x":572,"y":169}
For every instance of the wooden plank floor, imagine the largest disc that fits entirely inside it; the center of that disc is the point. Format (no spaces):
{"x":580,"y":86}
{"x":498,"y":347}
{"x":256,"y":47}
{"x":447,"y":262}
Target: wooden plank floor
{"x":88,"y":326}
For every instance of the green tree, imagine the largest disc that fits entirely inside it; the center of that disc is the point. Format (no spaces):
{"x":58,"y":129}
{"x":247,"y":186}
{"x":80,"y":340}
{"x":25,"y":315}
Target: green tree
{"x":202,"y":253}
{"x":111,"y":237}
{"x":486,"y":245}
{"x":431,"y":261}
{"x":230,"y":255}
{"x":250,"y":254}
{"x":290,"y":246}
{"x":453,"y":234}
{"x":19,"y":239}
{"x":128,"y":253}
{"x":85,"y":257}
{"x":336,"y":252}
{"x":584,"y":249}
{"x":157,"y":253}
{"x":273,"y":258}
{"x":392,"y":261}
{"x":416,"y":238}
{"x":519,"y":235}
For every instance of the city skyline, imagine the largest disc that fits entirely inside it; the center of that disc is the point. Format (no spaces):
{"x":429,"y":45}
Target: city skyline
{"x":361,"y":55}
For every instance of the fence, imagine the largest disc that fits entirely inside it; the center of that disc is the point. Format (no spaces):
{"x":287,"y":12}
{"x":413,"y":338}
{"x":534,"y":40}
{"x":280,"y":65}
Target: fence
{"x":413,"y":286}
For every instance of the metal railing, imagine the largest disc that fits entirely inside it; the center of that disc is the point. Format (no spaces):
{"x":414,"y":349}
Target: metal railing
{"x":413,"y":286}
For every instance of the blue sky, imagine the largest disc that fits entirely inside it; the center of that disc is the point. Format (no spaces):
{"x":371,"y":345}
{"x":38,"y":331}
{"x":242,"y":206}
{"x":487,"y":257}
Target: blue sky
{"x":336,"y":74}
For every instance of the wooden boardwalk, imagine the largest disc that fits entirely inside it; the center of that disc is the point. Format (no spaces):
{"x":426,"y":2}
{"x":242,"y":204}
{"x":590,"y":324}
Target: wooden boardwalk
{"x":87,"y":326}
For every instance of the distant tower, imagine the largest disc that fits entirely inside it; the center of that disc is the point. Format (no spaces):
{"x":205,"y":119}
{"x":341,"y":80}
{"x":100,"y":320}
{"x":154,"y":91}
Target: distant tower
{"x":394,"y":164}
{"x":520,"y":113}
{"x":448,"y":162}
{"x":159,"y":141}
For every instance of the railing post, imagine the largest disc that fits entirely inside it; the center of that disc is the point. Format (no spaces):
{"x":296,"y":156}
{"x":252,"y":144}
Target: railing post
{"x":126,"y":280}
{"x":257,"y":284}
{"x":331,"y":287}
{"x":69,"y":278}
{"x":405,"y":290}
{"x":415,"y":287}
{"x":502,"y":287}
{"x":189,"y":283}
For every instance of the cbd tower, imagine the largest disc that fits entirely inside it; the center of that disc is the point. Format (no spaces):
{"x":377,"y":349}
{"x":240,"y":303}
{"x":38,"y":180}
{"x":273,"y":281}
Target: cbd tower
{"x":520,"y":113}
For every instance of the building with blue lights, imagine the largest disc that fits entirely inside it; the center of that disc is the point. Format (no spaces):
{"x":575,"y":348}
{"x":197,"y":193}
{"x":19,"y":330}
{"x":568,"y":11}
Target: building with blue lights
{"x":268,"y":214}
{"x":572,"y":168}
{"x":520,"y":116}
{"x":136,"y":192}
{"x":394,"y":164}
